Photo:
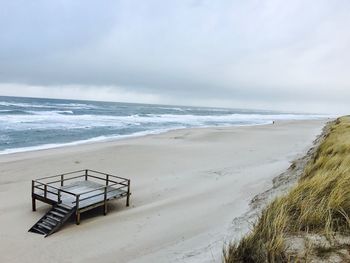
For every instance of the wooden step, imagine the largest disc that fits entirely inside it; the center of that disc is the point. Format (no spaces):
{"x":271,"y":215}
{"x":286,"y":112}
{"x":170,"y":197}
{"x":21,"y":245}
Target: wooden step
{"x":52,"y":220}
{"x":60,"y":210}
{"x":56,"y":219}
{"x":45,"y":226}
{"x":57,"y":214}
{"x":39,"y":230}
{"x":68,"y":208}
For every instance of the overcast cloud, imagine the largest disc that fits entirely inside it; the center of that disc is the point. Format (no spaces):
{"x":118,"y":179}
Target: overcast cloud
{"x":272,"y":54}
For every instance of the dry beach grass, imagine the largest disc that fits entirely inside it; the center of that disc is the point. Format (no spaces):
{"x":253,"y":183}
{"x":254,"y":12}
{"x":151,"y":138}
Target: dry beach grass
{"x":319,"y":204}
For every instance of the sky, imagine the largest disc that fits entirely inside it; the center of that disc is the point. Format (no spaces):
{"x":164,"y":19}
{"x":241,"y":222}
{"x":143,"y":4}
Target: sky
{"x":291,"y":55}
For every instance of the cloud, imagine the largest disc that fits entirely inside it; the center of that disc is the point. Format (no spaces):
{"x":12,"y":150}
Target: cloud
{"x":289,"y":55}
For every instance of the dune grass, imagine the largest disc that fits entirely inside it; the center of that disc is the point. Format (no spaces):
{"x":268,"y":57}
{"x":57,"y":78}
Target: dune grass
{"x":319,"y":203}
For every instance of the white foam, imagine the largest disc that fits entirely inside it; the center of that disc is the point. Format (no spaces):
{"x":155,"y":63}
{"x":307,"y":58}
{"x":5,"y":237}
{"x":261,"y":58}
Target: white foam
{"x":92,"y":140}
{"x":257,"y":118}
{"x":42,"y":120}
{"x":62,"y":117}
{"x":48,"y":105}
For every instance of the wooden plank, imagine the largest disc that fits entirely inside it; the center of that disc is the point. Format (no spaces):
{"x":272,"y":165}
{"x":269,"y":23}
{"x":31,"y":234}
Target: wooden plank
{"x":53,"y":176}
{"x":83,"y":195}
{"x":60,"y":210}
{"x":89,"y":199}
{"x":57,"y":214}
{"x":51,"y":221}
{"x":48,"y":223}
{"x":45,"y":200}
{"x":39,"y":230}
{"x":64,"y":206}
{"x":108,"y":174}
{"x":44,"y":226}
{"x":53,"y":218}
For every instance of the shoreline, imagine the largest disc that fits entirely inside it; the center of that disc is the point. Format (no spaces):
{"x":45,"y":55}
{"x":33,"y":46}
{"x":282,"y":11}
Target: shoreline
{"x":112,"y":138}
{"x":211,"y":172}
{"x":88,"y":143}
{"x":120,"y":138}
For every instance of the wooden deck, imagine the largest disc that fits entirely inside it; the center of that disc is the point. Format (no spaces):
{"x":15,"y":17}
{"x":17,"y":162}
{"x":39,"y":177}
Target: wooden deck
{"x":90,"y":193}
{"x":80,"y":190}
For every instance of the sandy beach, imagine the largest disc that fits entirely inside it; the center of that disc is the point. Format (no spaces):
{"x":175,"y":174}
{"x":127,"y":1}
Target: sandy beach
{"x":187,"y":188}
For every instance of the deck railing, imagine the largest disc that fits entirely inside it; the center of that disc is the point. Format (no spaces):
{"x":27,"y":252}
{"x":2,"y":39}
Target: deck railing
{"x":47,"y":186}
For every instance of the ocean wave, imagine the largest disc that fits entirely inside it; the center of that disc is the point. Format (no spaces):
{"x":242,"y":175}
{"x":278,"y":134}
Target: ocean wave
{"x":262,"y":121}
{"x":35,"y":124}
{"x":87,"y":141}
{"x":67,"y":120}
{"x":171,"y":108}
{"x":76,"y":106}
{"x":50,"y":113}
{"x":13,"y":112}
{"x":48,"y":105}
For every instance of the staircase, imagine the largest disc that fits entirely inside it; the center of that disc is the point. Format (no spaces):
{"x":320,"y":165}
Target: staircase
{"x":53,"y":220}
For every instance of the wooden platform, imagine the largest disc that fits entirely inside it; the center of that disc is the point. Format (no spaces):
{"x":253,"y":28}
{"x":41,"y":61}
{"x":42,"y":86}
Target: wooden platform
{"x":90,"y":193}
{"x":77,"y":191}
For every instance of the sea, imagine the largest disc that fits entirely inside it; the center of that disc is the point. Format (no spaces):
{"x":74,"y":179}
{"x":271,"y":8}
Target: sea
{"x":28,"y":124}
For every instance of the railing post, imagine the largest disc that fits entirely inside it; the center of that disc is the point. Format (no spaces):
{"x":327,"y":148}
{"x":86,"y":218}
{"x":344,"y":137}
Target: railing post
{"x":107,"y":179}
{"x":105,"y":202}
{"x":33,"y":198}
{"x":45,"y":191}
{"x":61,"y":179}
{"x":59,"y":196}
{"x":77,"y":213}
{"x":86,"y":175}
{"x":128,"y":194}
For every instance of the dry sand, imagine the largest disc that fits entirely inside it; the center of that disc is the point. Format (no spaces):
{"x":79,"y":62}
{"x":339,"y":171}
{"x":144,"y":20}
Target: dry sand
{"x":187,"y":188}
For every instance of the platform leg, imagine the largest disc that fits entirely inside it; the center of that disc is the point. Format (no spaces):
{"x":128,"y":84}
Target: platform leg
{"x":77,"y":218}
{"x":105,"y":208}
{"x":33,"y":204}
{"x":105,"y":202}
{"x":127,"y":199}
{"x":128,"y":194}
